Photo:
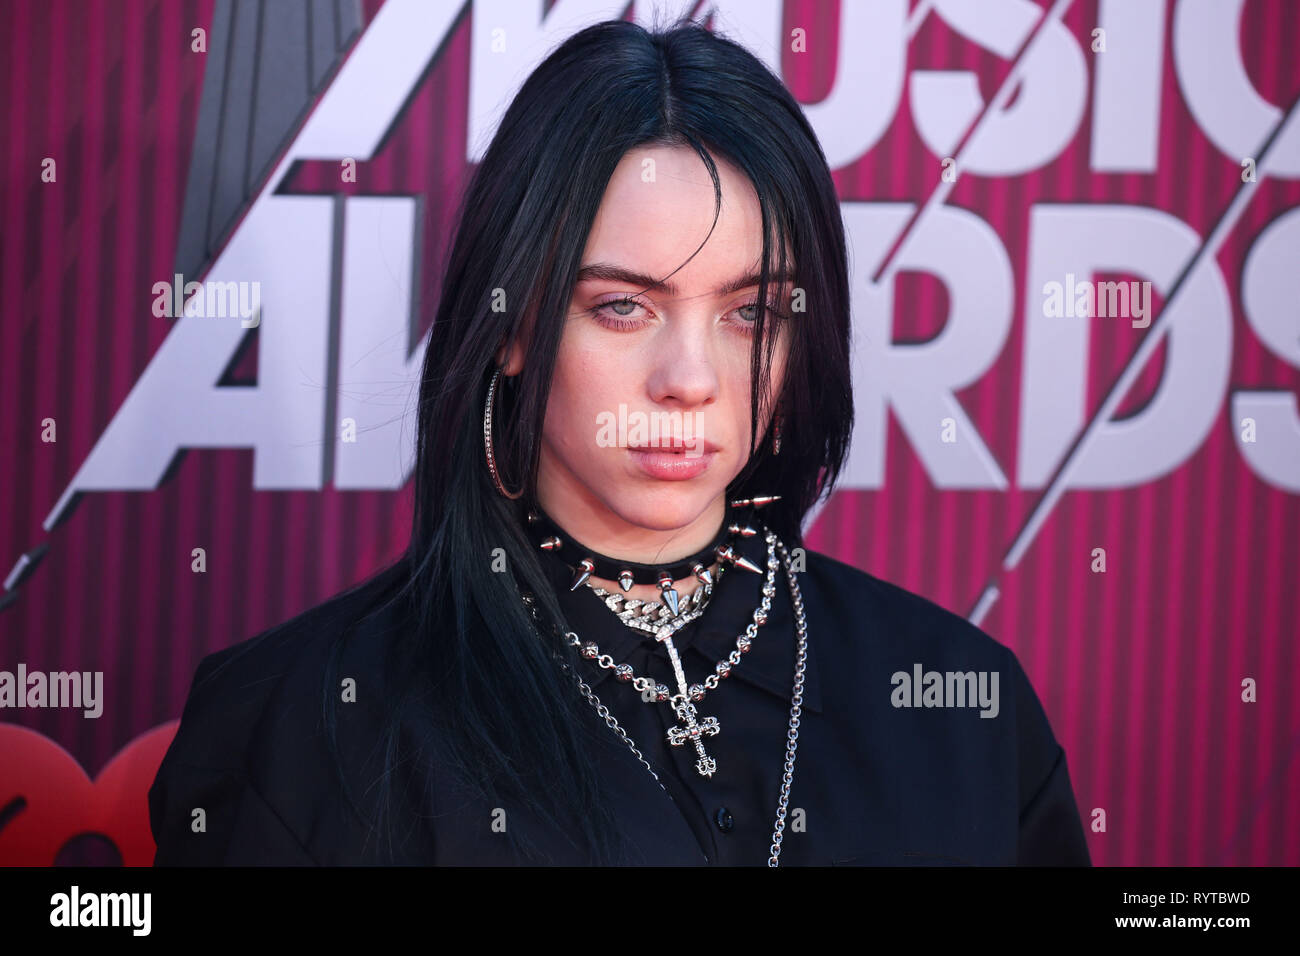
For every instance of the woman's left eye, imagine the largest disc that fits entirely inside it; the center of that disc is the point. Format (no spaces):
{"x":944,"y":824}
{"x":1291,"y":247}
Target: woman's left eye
{"x":749,"y":314}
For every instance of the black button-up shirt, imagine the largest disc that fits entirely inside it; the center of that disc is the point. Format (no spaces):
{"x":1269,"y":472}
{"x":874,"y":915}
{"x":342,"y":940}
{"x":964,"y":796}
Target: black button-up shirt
{"x":899,"y":760}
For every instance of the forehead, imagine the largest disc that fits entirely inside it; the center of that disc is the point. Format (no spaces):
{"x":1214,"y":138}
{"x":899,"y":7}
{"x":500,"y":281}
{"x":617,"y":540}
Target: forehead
{"x":659,"y":206}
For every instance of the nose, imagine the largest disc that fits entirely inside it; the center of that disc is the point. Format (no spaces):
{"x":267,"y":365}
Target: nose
{"x":683,"y":371}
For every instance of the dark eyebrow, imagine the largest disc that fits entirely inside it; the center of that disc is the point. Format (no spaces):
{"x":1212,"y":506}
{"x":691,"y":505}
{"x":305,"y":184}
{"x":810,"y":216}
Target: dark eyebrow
{"x":614,"y":273}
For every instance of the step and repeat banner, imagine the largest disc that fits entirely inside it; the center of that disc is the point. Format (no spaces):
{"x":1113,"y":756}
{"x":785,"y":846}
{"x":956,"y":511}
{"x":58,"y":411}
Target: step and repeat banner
{"x":1075,"y":240}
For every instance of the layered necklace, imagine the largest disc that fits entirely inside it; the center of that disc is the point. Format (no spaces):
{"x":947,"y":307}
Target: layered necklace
{"x":663,"y":620}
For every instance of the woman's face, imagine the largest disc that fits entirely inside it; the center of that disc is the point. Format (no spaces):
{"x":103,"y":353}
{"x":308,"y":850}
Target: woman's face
{"x":640,"y":369}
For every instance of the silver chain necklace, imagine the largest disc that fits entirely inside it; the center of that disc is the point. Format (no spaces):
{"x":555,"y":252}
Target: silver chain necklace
{"x":692,"y":728}
{"x":796,"y":700}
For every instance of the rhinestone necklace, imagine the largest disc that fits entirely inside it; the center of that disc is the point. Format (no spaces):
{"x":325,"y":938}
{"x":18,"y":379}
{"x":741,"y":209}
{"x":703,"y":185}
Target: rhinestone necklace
{"x":650,"y":616}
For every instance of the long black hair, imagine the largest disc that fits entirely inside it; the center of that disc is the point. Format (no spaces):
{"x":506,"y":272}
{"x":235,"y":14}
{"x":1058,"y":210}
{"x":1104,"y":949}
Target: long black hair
{"x":511,"y":724}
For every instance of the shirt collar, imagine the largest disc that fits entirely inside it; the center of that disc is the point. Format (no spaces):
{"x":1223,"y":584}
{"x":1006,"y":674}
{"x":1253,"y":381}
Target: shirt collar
{"x":769,"y":663}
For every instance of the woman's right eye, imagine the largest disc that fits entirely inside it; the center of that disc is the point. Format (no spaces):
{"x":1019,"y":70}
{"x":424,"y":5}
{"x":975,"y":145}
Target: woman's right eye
{"x":611,"y":314}
{"x":614,"y":304}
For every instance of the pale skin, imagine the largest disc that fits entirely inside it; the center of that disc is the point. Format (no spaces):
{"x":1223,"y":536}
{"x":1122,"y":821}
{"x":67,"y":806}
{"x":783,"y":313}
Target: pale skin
{"x":686,"y":352}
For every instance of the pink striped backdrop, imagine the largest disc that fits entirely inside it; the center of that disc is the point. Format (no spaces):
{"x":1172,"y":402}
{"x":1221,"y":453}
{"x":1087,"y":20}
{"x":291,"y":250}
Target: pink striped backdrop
{"x":1139,"y":668}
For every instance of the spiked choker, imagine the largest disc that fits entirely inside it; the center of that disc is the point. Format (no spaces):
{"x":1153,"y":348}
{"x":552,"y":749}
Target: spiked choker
{"x":585,"y":562}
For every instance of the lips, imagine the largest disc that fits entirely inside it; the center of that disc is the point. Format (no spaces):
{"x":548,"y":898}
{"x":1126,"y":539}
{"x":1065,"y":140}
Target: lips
{"x":665,"y":465}
{"x":675,"y":446}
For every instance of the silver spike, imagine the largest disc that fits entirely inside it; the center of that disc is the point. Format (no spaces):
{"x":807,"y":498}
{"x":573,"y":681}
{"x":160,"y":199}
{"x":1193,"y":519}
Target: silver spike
{"x":670,"y":593}
{"x":727,"y":553}
{"x":744,"y":532}
{"x":702,"y":573}
{"x":625,"y":580}
{"x":551,"y":544}
{"x":757,"y":502}
{"x":585,"y":567}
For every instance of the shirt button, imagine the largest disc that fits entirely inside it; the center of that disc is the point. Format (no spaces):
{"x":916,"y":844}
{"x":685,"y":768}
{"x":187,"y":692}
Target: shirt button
{"x":723,"y":819}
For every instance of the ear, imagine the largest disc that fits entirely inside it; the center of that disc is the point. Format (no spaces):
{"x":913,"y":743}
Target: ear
{"x":511,"y":361}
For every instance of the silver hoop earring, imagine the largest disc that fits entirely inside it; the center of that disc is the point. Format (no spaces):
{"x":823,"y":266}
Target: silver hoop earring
{"x":487,"y":440}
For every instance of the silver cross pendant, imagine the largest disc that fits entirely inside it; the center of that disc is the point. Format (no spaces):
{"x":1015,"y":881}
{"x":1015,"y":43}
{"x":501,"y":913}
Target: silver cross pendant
{"x":693,"y":731}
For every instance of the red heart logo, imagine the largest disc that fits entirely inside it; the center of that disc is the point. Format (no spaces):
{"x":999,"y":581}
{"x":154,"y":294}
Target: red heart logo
{"x":62,"y":802}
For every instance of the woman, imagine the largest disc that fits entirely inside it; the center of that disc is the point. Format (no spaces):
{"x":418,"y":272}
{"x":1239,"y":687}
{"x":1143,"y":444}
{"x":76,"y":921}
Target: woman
{"x":605,"y":642}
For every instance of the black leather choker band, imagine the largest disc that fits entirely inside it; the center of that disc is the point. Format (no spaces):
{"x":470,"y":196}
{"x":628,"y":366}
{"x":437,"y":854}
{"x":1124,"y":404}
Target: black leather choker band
{"x":585,"y":562}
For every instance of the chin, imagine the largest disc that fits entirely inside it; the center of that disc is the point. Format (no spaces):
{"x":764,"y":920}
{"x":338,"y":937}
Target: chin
{"x":664,"y":508}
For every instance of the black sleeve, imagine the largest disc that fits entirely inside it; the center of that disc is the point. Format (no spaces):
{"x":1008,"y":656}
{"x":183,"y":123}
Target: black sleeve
{"x":1051,"y":832}
{"x":203,"y":769}
{"x":240,"y":828}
